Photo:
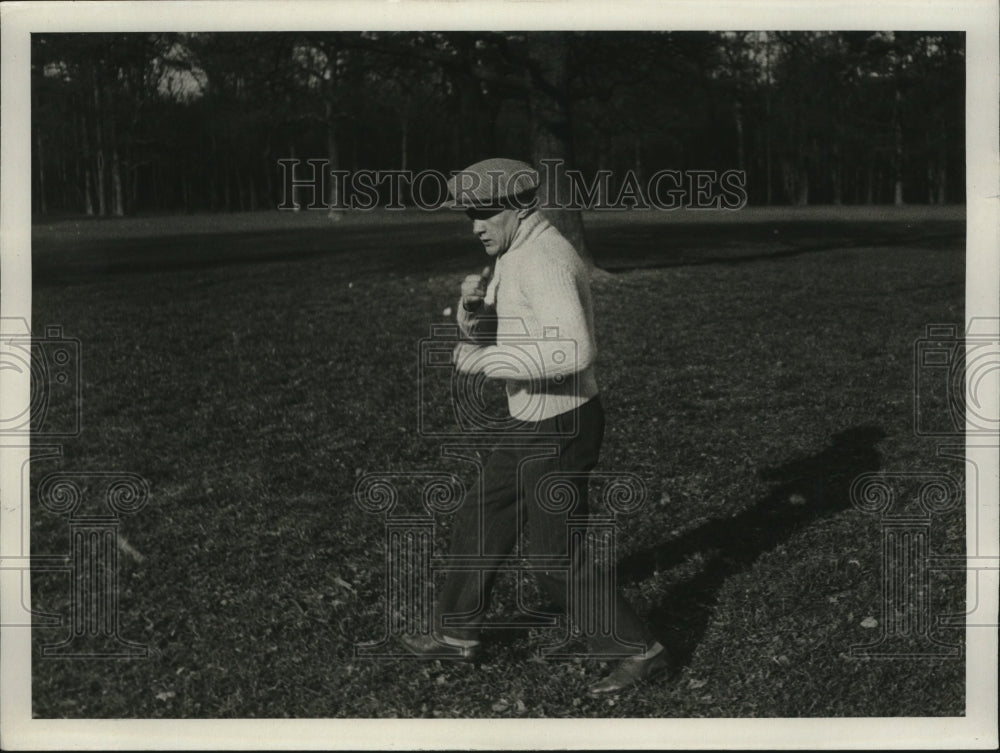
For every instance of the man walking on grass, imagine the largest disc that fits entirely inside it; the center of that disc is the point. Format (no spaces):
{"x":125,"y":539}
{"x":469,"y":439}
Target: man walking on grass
{"x":537,"y":292}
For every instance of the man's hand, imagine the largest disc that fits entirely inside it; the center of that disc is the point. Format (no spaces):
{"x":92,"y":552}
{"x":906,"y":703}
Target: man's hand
{"x":474,"y":290}
{"x":465,"y":357}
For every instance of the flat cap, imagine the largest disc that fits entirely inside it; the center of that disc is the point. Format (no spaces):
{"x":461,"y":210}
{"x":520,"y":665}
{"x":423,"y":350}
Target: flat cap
{"x":493,"y":182}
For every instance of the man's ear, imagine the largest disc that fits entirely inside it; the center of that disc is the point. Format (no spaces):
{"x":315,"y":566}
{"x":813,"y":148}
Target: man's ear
{"x":524,"y":212}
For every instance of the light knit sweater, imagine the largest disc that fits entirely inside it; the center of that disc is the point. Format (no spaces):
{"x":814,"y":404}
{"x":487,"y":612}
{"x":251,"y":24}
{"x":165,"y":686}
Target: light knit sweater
{"x":540,"y":295}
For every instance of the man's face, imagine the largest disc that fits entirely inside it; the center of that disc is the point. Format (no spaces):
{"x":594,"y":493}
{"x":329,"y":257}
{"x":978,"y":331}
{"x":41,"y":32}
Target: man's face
{"x":495,"y":228}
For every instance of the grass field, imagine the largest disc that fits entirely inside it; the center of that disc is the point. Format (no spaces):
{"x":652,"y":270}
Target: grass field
{"x":251,"y":368}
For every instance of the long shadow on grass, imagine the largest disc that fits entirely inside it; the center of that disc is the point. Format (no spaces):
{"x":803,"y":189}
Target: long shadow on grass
{"x":805,"y":490}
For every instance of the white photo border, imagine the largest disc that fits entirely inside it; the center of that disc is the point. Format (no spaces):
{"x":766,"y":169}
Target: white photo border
{"x":979,"y":19}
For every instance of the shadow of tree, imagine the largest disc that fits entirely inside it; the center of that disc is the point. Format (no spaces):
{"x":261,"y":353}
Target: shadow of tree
{"x":805,"y":490}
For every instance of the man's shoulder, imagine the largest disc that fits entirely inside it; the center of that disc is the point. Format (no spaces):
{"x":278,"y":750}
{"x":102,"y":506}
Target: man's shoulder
{"x":550,"y":246}
{"x":554,"y":237}
{"x":557,"y":256}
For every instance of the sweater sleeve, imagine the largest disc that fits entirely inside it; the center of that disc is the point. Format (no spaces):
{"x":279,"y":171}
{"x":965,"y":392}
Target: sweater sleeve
{"x":554,"y":295}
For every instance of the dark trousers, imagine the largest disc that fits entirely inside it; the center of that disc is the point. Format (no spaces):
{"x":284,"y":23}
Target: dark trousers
{"x":490,"y":521}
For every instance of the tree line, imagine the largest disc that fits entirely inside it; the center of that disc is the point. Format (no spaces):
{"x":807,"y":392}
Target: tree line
{"x":132,"y":123}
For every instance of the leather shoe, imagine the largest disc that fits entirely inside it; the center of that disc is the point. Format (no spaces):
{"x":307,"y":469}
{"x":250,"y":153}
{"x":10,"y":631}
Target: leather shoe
{"x":631,"y":672}
{"x":436,"y":646}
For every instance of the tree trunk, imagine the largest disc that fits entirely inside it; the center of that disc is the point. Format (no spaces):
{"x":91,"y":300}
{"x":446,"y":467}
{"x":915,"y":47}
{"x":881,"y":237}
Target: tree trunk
{"x":767,"y":123}
{"x":117,"y":194}
{"x":802,"y":187}
{"x":738,"y":116}
{"x":897,"y":162}
{"x":88,"y":196}
{"x":836,"y":174}
{"x":65,"y":198}
{"x":548,"y":101}
{"x":88,"y":199}
{"x":269,"y":184}
{"x":227,"y":189}
{"x":769,"y":195}
{"x":116,"y":183}
{"x":66,"y":183}
{"x":404,"y":137}
{"x":333,"y":198}
{"x":42,"y":208}
{"x":102,"y":208}
{"x":240,"y":188}
{"x":296,"y":207}
{"x":474,"y":127}
{"x":942,"y":169}
{"x":603,"y":187}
